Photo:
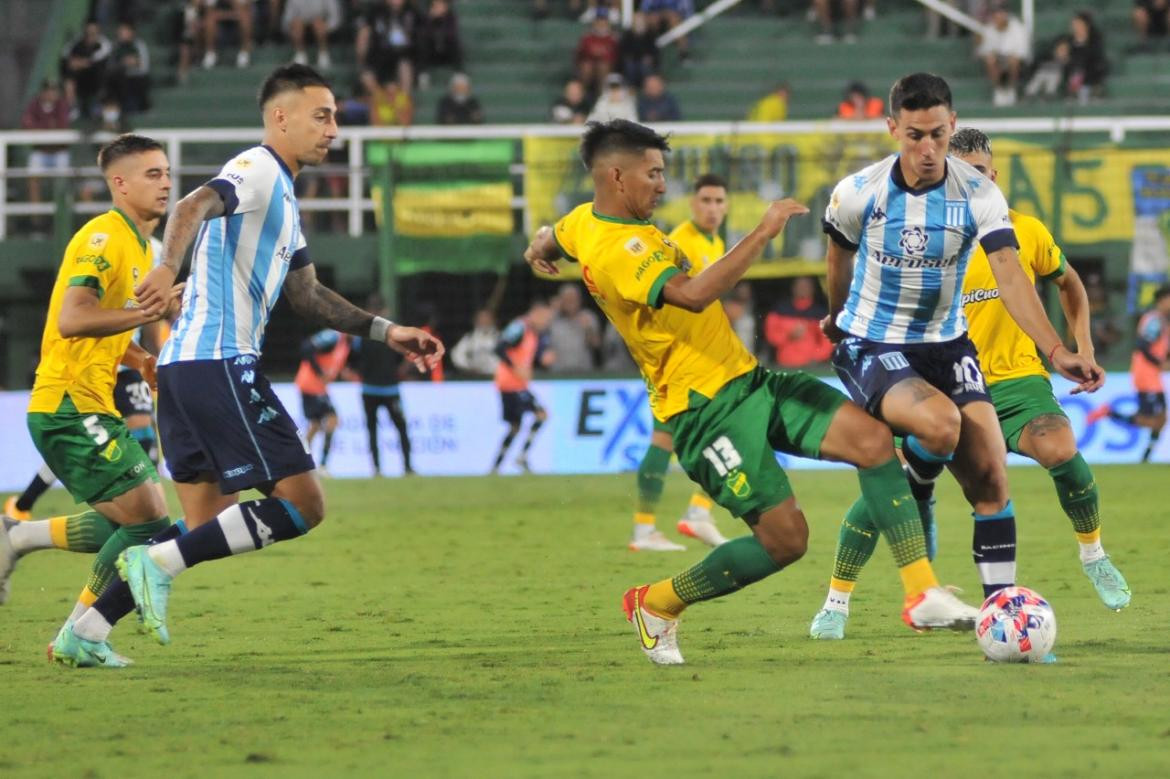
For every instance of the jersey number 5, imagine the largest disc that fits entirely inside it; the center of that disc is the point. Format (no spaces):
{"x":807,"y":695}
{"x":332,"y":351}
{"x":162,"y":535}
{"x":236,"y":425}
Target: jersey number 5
{"x":723,"y":456}
{"x":95,"y":429}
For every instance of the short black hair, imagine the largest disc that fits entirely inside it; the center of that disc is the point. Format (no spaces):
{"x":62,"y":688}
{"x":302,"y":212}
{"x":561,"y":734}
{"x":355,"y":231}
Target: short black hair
{"x":619,"y":135}
{"x":918,"y":92}
{"x":286,"y":78}
{"x":968,"y":140}
{"x":124,"y":146}
{"x":1161,"y":292}
{"x":710,"y":180}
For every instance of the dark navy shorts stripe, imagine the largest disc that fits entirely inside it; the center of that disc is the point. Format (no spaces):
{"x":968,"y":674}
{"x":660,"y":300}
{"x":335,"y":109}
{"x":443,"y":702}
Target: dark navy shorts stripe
{"x":223,"y":417}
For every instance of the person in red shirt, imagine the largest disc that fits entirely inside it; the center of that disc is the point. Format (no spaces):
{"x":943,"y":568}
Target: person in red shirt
{"x":860,"y":104}
{"x":597,"y":52}
{"x":48,"y":110}
{"x":518,"y":349}
{"x":793,"y":327}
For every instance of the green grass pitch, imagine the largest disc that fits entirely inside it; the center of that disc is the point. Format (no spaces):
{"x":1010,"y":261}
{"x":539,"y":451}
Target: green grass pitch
{"x":472,"y":627}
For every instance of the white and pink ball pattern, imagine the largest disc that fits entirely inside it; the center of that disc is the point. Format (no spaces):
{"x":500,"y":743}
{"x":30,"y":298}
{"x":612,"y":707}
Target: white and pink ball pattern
{"x":1016,"y":625}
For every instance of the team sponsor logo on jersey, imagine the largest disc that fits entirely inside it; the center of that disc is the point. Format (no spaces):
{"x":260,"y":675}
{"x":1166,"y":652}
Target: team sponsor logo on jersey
{"x":956,"y":213}
{"x":635,"y":246}
{"x":97,"y":241}
{"x":911,"y":263}
{"x":99,"y":262}
{"x":979,"y":296}
{"x":591,"y":286}
{"x":913,"y":240}
{"x":644,"y":265}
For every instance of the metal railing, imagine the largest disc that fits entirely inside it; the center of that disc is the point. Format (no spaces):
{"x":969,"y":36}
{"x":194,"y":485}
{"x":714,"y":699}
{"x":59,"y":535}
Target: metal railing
{"x":357,"y":203}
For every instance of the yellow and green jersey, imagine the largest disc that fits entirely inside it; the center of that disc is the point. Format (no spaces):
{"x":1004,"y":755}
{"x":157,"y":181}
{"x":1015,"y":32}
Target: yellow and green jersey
{"x":110,"y":257}
{"x":1005,"y":350}
{"x":702,"y":249}
{"x":625,"y":265}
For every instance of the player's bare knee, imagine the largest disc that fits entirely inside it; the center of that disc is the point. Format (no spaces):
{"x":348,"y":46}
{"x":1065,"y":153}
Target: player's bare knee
{"x":873,"y":445}
{"x":940,"y":430}
{"x":1053,"y":454}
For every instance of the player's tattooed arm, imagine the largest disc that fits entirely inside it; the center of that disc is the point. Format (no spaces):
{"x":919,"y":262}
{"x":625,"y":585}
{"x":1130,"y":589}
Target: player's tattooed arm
{"x":154,"y":292}
{"x":314,"y":301}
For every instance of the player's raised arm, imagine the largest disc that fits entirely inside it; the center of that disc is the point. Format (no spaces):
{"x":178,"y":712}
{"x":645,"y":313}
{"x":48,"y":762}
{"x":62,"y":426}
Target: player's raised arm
{"x":316,"y":302}
{"x":695,"y":293}
{"x":190,"y":213}
{"x":541,"y":255}
{"x":1022,"y":302}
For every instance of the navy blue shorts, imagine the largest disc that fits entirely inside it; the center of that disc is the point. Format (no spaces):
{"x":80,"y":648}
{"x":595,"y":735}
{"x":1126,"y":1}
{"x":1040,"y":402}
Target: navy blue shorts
{"x":132,"y":394}
{"x":870,"y":369}
{"x":1151,"y":404}
{"x":516,"y":404}
{"x":222,"y":417}
{"x":317,"y":407}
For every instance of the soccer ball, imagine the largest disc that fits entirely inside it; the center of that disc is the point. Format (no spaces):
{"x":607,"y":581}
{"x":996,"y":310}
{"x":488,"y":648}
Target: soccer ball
{"x":1016,"y":625}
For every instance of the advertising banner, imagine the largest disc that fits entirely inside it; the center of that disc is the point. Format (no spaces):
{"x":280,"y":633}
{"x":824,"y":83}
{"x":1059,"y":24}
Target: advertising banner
{"x":598,"y":426}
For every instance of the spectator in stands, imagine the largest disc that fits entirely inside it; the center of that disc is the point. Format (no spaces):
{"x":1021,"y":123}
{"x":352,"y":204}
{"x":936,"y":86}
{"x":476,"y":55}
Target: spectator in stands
{"x":742,"y":314}
{"x":459,"y":105}
{"x":48,"y":110}
{"x":655,"y":104}
{"x":189,"y":33}
{"x":793,"y":327}
{"x":1005,"y":49}
{"x":830,"y":14}
{"x":129,"y":72}
{"x":665,"y":15}
{"x":390,"y":104}
{"x":772,"y":107}
{"x":1151,"y":19}
{"x":860,"y":104}
{"x":574,"y":334}
{"x":387,"y":41}
{"x":217,"y":11}
{"x":1048,"y":80}
{"x":320,"y":16}
{"x":573,"y":106}
{"x":1087,"y":65}
{"x":439,"y":42}
{"x":637,"y":52}
{"x":83,"y":69}
{"x":615,"y":102}
{"x":597,"y":52}
{"x":475,"y":353}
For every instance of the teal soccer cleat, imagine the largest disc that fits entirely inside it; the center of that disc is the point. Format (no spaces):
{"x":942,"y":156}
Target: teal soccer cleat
{"x":68,"y":649}
{"x":150,"y":586}
{"x":1109,"y":582}
{"x":828,"y":625}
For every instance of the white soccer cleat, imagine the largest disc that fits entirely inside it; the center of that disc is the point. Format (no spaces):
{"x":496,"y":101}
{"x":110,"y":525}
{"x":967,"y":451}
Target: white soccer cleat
{"x":700,"y":525}
{"x":658,"y":636}
{"x":939,"y":608}
{"x":655,"y":542}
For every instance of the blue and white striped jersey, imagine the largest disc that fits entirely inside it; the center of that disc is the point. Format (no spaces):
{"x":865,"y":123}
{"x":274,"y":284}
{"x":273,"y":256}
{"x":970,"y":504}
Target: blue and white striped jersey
{"x":912,"y":248}
{"x":240,"y":261}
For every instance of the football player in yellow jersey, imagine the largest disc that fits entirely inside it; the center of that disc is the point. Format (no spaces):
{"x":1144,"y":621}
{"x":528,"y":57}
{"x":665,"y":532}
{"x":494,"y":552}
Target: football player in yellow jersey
{"x":698,"y":239}
{"x":728,"y":415}
{"x":1030,"y":416}
{"x":71,"y":415}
